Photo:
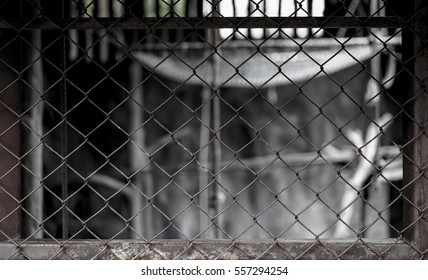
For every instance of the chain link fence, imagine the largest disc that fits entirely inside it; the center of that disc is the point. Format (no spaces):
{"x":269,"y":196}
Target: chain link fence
{"x":215,"y":129}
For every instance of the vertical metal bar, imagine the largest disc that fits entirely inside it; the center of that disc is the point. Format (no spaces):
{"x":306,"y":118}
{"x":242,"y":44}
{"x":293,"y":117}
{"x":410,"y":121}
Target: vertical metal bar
{"x":135,"y":153}
{"x":64,"y":132}
{"x":32,"y":181}
{"x":214,"y":200}
{"x":215,"y":196}
{"x":378,"y":193}
{"x":204,"y":155}
{"x":143,"y":223}
{"x":10,"y":134}
{"x":10,"y":148}
{"x":204,"y":138}
{"x":210,"y":113}
{"x":415,"y":176}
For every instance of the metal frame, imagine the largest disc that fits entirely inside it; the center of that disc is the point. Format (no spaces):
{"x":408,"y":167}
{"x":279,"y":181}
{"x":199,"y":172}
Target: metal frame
{"x":211,"y":249}
{"x":413,"y":245}
{"x":201,"y":23}
{"x":415,"y":183}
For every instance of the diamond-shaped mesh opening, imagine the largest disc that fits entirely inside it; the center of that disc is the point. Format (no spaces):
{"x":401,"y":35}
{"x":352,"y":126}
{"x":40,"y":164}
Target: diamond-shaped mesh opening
{"x":230,"y":128}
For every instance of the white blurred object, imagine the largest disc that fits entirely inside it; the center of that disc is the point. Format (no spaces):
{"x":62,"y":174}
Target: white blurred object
{"x":288,"y":9}
{"x":272,"y":10}
{"x":362,"y":172}
{"x":302,"y":11}
{"x":317,"y":11}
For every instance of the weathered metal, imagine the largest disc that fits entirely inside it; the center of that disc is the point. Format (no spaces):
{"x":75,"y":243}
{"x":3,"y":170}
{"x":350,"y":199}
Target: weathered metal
{"x":10,"y":148}
{"x":209,"y":249}
{"x":415,"y":187}
{"x":414,"y":245}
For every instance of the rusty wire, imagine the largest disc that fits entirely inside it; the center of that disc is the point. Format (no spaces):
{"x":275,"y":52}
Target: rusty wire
{"x":187,"y":121}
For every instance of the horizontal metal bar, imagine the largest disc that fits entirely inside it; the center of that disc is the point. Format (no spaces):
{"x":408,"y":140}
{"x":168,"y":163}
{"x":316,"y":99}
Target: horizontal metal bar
{"x":201,"y":23}
{"x":211,"y":249}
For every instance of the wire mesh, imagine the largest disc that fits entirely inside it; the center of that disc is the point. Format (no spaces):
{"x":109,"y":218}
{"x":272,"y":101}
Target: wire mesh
{"x":229,"y":128}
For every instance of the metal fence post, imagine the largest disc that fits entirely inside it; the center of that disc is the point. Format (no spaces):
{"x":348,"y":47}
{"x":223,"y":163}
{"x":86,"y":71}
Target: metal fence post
{"x":415,"y":180}
{"x":10,"y":133}
{"x":10,"y":148}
